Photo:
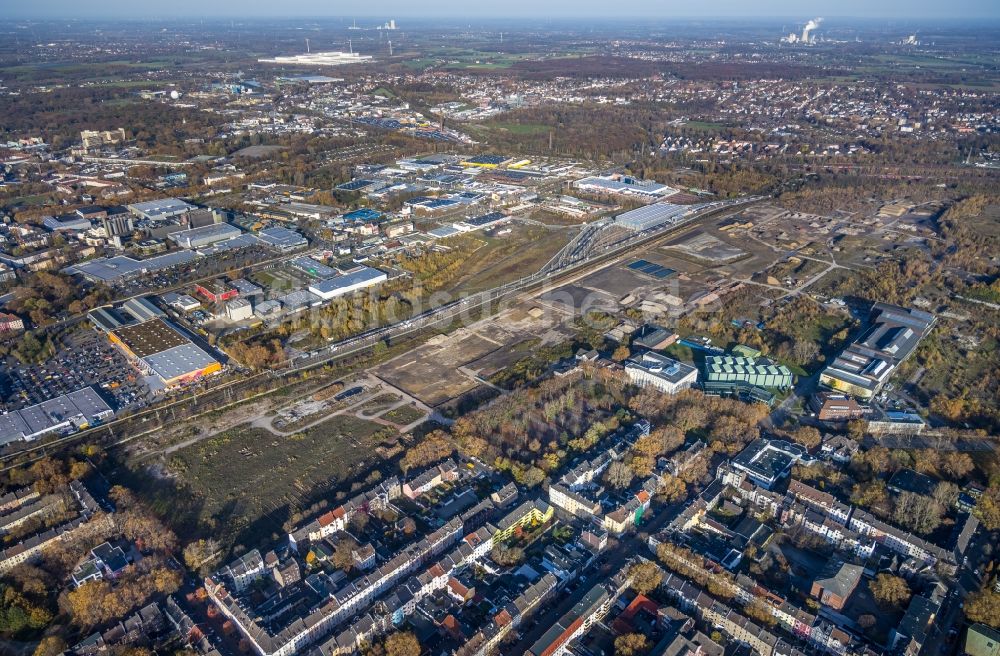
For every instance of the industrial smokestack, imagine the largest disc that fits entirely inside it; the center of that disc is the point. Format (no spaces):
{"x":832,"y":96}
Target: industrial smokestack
{"x":810,"y":26}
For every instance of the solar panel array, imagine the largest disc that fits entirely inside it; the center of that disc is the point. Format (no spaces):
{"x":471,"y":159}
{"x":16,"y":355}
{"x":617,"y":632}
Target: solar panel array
{"x":354,"y":185}
{"x":485,"y":219}
{"x":651,"y":269}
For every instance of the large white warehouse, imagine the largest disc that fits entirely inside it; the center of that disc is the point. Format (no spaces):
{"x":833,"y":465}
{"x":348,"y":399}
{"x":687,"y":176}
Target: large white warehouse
{"x":349,"y":282}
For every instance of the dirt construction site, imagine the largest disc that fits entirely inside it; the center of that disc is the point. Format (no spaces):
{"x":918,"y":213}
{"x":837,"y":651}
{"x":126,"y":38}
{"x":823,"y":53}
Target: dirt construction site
{"x":447,"y":366}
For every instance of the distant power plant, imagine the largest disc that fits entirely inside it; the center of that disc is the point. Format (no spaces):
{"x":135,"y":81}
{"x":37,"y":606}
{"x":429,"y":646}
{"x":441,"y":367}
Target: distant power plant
{"x":333,"y":58}
{"x":807,"y":33}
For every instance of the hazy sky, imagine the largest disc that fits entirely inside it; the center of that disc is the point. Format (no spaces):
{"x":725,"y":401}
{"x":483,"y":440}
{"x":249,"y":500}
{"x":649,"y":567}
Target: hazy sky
{"x":655,"y":9}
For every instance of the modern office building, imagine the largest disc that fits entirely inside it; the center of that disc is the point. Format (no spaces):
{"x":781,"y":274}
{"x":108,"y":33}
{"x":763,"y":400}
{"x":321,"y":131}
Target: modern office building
{"x":768,"y":461}
{"x":665,"y":374}
{"x":891,"y":335}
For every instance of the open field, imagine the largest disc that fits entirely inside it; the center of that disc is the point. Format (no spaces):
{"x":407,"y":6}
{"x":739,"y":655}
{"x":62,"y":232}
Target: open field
{"x":404,"y":415}
{"x":508,"y":257}
{"x":428,"y":371}
{"x":245,"y":480}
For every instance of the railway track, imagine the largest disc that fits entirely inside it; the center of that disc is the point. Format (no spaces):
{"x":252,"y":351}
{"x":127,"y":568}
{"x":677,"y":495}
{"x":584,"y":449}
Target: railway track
{"x":127,"y":429}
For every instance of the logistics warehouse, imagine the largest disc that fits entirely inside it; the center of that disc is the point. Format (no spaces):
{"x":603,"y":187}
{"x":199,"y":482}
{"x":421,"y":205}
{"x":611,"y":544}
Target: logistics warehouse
{"x":348,"y":282}
{"x":159,"y":350}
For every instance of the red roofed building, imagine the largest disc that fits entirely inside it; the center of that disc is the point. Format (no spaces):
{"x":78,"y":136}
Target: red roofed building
{"x":10,"y":323}
{"x":624,"y":622}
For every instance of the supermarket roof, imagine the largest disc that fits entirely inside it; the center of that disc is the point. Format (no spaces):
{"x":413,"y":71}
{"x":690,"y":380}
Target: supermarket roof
{"x":142,"y":309}
{"x":362,"y":275}
{"x":443,"y":231}
{"x":180,"y":360}
{"x":121,"y":266}
{"x":145,"y":339}
{"x":281,"y":237}
{"x":313,"y":267}
{"x":82,"y":405}
{"x":163,"y":207}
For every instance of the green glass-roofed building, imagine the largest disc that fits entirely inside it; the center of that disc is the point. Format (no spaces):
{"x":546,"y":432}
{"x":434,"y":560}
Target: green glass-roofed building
{"x":744,"y":351}
{"x":759,"y":372}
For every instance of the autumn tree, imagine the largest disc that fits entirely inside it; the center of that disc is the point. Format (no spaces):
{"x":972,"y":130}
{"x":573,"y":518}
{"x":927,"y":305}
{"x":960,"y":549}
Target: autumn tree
{"x":917,"y":512}
{"x":618,"y":475}
{"x":807,"y":436}
{"x":988,"y":508}
{"x":402,"y":643}
{"x":17,"y":612}
{"x":139,"y":525}
{"x":435,"y":446}
{"x":506,"y":555}
{"x":631,"y":644}
{"x":945,"y":494}
{"x":956,"y":464}
{"x":200,"y":553}
{"x":672,"y":488}
{"x":889,"y":591}
{"x":646,"y":576}
{"x":51,"y":646}
{"x":621,"y":353}
{"x":758,"y":609}
{"x":984,"y":607}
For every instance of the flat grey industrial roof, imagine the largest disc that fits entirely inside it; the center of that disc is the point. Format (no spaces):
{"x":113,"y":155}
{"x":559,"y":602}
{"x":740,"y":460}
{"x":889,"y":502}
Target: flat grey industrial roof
{"x":313,"y":267}
{"x":105,"y":319}
{"x":142,"y":309}
{"x":364,"y":274}
{"x":245,"y":287}
{"x":161,"y":206}
{"x":178,"y":361}
{"x":245,"y":240}
{"x":213,"y":230}
{"x":121,"y":266}
{"x":298,"y":299}
{"x":653,"y":215}
{"x":443,"y":231}
{"x":281,"y":237}
{"x":84,"y":403}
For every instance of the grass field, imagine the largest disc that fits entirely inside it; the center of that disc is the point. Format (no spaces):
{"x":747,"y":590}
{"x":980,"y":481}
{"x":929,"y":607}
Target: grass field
{"x":244,"y":481}
{"x":403,"y":415}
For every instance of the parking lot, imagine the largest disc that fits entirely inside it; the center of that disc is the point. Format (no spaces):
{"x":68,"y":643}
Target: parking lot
{"x":84,"y":358}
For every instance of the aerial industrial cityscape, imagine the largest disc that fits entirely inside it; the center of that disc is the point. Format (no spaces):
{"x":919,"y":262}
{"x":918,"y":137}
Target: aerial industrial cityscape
{"x":402,"y":336}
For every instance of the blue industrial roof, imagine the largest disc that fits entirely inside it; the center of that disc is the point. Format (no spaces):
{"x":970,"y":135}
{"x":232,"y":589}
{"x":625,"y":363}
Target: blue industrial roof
{"x":363,"y":214}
